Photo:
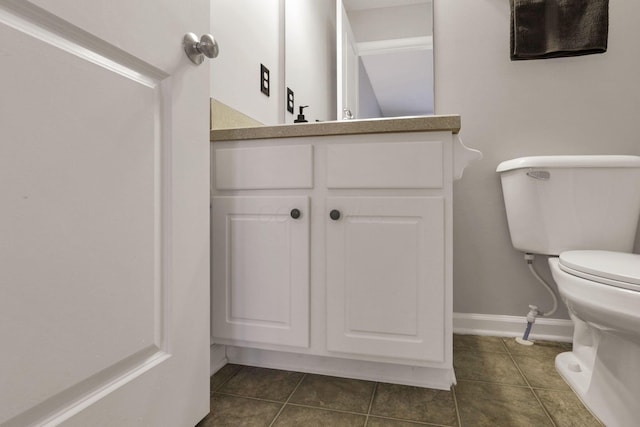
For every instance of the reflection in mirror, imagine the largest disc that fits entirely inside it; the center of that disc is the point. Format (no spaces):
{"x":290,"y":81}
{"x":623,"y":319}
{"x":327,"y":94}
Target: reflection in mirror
{"x":384,"y":58}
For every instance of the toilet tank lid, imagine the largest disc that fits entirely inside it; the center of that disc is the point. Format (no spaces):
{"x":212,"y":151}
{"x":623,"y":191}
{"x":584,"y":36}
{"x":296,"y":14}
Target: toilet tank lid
{"x":604,"y":161}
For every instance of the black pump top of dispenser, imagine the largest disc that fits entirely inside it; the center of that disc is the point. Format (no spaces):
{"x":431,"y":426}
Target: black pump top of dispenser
{"x":301,"y":118}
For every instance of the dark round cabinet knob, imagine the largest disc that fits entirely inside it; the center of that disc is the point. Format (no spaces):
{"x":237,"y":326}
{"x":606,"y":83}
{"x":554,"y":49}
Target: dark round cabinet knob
{"x":295,"y":213}
{"x":334,"y":214}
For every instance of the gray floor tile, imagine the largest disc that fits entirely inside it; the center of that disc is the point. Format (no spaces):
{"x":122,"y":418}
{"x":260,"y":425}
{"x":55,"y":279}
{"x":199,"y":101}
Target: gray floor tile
{"x":334,"y":393}
{"x":540,"y":372}
{"x":231,"y":411}
{"x":262,"y":383}
{"x":220,"y":377}
{"x":478,"y":343}
{"x":566,"y":409}
{"x":297,"y":416}
{"x":498,"y":405}
{"x":414,"y":404}
{"x":486,"y":366}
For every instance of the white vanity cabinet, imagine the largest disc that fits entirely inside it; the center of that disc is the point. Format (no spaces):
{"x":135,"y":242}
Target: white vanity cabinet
{"x":332,"y":253}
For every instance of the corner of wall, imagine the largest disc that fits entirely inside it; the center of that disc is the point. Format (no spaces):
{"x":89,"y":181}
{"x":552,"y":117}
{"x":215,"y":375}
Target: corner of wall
{"x":217,"y":358}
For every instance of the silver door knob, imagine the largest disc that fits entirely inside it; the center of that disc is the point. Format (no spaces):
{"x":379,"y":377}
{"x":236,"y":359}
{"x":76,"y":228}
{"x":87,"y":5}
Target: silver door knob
{"x":196,"y":49}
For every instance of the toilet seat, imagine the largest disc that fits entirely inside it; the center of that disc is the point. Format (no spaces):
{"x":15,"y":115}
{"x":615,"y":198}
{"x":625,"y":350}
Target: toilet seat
{"x":609,"y":268}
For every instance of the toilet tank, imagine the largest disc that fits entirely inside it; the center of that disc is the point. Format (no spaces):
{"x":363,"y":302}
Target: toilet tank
{"x":559,"y":203}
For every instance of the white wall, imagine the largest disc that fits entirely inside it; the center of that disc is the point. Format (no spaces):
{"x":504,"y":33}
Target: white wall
{"x":368,"y":106}
{"x":580,"y":105}
{"x":250,"y":33}
{"x":311,"y":57}
{"x":391,"y":22}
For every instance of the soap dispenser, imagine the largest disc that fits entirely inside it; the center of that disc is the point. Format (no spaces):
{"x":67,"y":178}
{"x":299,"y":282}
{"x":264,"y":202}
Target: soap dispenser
{"x":301,"y":118}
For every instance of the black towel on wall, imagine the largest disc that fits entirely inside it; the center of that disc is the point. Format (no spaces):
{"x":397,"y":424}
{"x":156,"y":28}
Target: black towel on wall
{"x":554,"y":28}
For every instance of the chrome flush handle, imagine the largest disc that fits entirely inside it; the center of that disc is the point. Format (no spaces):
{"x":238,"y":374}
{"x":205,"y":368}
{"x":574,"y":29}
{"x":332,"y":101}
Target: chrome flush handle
{"x":196,"y":49}
{"x":539,"y":174}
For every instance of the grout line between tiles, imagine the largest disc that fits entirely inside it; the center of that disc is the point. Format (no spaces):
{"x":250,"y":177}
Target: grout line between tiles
{"x":403,"y":420}
{"x":492,"y":382}
{"x":504,"y":345}
{"x":373,"y":395}
{"x":551,"y":389}
{"x":455,"y":404}
{"x":301,"y":405}
{"x":543,"y":408}
{"x":225,"y":381}
{"x":529,"y":385}
{"x":524,"y":377}
{"x":342,"y":411}
{"x":248,"y":397}
{"x":288,"y":398}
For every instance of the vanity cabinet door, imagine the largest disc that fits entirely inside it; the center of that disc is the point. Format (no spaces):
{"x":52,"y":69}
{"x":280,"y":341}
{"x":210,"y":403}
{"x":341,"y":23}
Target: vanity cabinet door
{"x":385,"y":277}
{"x":260,"y":270}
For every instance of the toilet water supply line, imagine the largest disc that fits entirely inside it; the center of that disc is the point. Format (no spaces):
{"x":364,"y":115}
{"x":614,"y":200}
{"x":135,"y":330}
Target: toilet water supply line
{"x":533,"y":310}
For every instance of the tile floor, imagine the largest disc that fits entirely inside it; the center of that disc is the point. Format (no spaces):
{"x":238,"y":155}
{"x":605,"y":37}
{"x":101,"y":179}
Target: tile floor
{"x":500,"y":383}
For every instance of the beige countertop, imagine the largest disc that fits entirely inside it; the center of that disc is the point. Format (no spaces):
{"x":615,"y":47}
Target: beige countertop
{"x":345,"y":127}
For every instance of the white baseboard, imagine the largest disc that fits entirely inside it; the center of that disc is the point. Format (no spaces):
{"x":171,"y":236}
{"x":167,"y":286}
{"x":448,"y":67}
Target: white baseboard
{"x":436,"y":378}
{"x":512,"y":326}
{"x":217,"y":358}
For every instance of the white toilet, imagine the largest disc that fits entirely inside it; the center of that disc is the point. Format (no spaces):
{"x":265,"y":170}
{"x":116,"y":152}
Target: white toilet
{"x":583,"y":211}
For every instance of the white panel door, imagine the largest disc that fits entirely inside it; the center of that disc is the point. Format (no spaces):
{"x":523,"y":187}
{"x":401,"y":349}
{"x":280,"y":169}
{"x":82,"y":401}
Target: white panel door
{"x":104,"y":232}
{"x":260,"y":281}
{"x":385,"y":277}
{"x":347,"y":64}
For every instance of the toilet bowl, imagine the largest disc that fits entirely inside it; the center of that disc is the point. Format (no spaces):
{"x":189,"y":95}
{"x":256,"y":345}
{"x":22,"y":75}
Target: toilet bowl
{"x":602,"y":292}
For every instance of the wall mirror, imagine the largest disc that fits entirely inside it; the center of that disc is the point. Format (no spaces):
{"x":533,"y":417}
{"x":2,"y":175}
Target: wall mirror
{"x":384,"y":58}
